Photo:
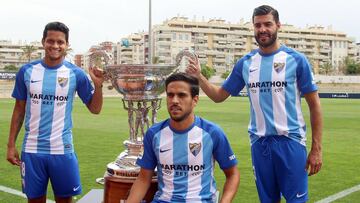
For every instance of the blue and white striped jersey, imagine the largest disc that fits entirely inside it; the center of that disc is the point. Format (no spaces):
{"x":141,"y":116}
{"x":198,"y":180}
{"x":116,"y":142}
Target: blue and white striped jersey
{"x":185,"y":160}
{"x":49,"y":93}
{"x":274,"y":83}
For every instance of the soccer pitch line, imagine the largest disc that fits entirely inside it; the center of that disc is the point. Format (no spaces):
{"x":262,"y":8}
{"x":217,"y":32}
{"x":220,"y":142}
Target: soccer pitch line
{"x":340,"y":194}
{"x":18,"y":193}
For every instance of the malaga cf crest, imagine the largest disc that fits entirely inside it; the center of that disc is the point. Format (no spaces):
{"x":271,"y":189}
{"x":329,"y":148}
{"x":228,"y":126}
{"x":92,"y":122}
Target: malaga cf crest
{"x":195,"y":148}
{"x":62,"y":81}
{"x":279,"y":67}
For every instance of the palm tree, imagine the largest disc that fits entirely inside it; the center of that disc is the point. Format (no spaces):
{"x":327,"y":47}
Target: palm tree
{"x":326,"y":68}
{"x":69,"y":53}
{"x":28,"y":50}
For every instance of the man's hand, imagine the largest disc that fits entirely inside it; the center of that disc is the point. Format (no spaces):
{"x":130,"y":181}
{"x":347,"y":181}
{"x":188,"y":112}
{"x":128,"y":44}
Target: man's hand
{"x":13,"y":156}
{"x":194,"y":68}
{"x":97,"y":76}
{"x":314,"y":161}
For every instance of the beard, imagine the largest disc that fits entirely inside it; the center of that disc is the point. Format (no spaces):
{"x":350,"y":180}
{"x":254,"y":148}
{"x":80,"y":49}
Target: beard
{"x":270,"y":42}
{"x":181,"y":118}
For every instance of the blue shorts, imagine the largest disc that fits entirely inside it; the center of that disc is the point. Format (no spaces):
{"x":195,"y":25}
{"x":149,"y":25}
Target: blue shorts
{"x":62,"y":170}
{"x":279,"y":169}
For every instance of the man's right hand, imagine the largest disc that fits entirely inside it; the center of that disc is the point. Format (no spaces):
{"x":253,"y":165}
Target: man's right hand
{"x":194,"y":68}
{"x":13,"y":156}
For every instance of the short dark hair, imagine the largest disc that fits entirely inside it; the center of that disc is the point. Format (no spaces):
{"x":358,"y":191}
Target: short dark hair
{"x":56,"y":26}
{"x":264,"y":10}
{"x":191,"y":80}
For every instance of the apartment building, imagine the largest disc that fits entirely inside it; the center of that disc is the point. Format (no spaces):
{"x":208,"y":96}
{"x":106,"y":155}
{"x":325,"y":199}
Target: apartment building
{"x":220,"y":44}
{"x":97,"y":55}
{"x":131,"y":49}
{"x":357,"y":58}
{"x":13,"y":53}
{"x":79,"y":60}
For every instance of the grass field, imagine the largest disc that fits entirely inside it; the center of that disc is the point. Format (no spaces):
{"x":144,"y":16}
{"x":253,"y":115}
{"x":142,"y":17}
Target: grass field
{"x":98,"y":140}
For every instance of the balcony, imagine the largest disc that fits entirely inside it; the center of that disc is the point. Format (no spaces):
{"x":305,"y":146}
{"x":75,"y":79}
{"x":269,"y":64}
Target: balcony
{"x":217,"y":38}
{"x":163,"y":43}
{"x":212,"y":52}
{"x":236,"y":46}
{"x":352,"y":52}
{"x":219,"y":60}
{"x":325,"y":50}
{"x":164,"y":36}
{"x":202,"y":46}
{"x":220,"y":46}
{"x":237,"y":40}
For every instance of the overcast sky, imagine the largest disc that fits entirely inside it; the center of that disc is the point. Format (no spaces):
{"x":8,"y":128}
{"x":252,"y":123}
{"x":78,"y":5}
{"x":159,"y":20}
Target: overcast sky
{"x":94,"y":21}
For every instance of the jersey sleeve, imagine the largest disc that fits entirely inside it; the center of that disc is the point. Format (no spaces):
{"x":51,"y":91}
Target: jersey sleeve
{"x":148,"y":159}
{"x":305,"y":77}
{"x":222,"y":151}
{"x":83,"y":86}
{"x":20,"y":90}
{"x":235,"y":82}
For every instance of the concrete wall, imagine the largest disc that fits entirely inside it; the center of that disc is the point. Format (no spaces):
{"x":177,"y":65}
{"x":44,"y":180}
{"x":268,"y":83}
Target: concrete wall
{"x":337,"y":79}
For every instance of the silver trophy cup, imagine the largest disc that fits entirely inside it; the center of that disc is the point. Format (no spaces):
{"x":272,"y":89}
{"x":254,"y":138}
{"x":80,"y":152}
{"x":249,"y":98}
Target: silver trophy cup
{"x":141,"y":86}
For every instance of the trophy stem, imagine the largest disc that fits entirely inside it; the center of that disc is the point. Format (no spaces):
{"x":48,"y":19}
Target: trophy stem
{"x":138,"y":120}
{"x":139,"y":125}
{"x":155,"y":104}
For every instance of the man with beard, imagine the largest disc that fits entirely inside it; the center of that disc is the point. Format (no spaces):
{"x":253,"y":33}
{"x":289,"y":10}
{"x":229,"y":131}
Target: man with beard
{"x":183,"y":148}
{"x":275,"y":77}
{"x":44,"y":92}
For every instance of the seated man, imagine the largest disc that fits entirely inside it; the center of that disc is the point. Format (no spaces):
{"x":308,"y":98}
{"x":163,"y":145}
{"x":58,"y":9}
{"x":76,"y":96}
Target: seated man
{"x":183,"y":148}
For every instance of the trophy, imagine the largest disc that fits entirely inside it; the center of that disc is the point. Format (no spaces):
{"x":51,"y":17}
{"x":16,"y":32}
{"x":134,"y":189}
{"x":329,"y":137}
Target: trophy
{"x":141,"y":86}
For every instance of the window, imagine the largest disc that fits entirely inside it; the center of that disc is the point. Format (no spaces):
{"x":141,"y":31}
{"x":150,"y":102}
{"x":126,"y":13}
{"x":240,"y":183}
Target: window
{"x":186,"y":37}
{"x":174,"y":36}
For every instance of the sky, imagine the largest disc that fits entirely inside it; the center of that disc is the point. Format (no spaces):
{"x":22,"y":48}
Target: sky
{"x":94,"y":21}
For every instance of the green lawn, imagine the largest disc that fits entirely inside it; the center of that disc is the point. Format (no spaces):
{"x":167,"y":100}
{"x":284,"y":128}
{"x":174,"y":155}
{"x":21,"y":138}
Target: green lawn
{"x":98,"y":140}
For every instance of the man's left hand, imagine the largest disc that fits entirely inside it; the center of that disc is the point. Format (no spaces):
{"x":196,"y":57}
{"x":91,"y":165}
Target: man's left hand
{"x":314,"y":161}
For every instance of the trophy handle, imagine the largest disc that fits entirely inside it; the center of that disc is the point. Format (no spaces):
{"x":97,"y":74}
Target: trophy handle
{"x":185,"y":52}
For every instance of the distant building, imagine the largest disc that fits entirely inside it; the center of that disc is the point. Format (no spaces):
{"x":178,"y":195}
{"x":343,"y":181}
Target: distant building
{"x":220,"y":44}
{"x":79,"y":60}
{"x":13,"y":53}
{"x":99,"y":55}
{"x":131,"y":49}
{"x":357,"y":58}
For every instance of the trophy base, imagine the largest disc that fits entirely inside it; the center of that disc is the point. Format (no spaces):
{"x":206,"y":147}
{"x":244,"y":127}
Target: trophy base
{"x":117,"y":190}
{"x":121,"y":174}
{"x":124,"y":167}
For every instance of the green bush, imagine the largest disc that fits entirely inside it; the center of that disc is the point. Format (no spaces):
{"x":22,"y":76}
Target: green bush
{"x":207,"y":71}
{"x":11,"y":68}
{"x":225,"y":75}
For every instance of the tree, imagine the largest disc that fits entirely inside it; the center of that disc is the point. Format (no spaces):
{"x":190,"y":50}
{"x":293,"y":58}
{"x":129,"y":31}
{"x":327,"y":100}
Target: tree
{"x":352,"y":69}
{"x":225,"y":75}
{"x":350,"y":66}
{"x":326,"y":68}
{"x":69,"y":53}
{"x":28,"y":50}
{"x":206,"y":71}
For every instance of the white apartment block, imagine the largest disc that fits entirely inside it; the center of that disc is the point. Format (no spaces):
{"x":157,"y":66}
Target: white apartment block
{"x":13,"y":54}
{"x":130,"y":50}
{"x":357,"y":58}
{"x":220,"y":44}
